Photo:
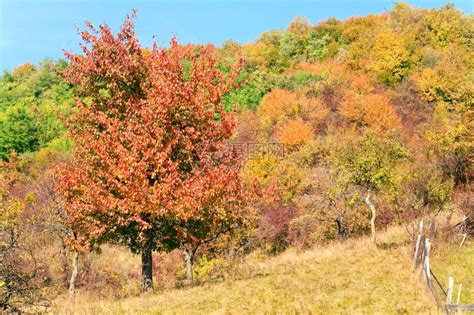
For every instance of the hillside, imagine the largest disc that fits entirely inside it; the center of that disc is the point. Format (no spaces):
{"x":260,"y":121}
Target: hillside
{"x":245,"y":177}
{"x":350,"y":277}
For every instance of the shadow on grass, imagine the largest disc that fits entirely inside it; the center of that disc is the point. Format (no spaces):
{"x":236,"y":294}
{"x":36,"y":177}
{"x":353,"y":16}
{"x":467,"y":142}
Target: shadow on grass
{"x":216,"y":280}
{"x":391,"y":245}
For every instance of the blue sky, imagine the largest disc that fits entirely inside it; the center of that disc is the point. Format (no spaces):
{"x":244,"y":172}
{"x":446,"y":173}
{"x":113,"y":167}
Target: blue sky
{"x":31,"y":30}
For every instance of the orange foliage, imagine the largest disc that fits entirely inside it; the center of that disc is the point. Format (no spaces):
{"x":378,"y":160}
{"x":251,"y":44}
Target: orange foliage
{"x":281,"y":105}
{"x":361,"y":85}
{"x":313,"y":111}
{"x":275,"y":106}
{"x":147,"y":148}
{"x":22,"y":69}
{"x":371,"y":110}
{"x":294,"y":133}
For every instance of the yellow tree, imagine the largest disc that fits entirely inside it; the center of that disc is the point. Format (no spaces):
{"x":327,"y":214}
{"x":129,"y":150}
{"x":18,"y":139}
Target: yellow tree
{"x":390,"y":60}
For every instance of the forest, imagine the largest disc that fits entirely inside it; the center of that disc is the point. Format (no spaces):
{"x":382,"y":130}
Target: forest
{"x":132,"y":172}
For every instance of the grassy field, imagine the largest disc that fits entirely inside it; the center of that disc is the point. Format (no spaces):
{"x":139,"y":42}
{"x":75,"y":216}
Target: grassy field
{"x":450,"y":259}
{"x":353,"y":277}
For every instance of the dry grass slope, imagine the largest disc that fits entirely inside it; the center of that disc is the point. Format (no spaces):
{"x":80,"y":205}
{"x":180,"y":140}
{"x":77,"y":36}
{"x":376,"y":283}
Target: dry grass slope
{"x":353,"y":277}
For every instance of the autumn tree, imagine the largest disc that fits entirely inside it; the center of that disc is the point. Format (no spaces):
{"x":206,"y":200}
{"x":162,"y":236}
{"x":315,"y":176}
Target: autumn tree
{"x":22,"y":275}
{"x":370,"y":110}
{"x":449,"y":141}
{"x":280,"y":106}
{"x":370,"y":164}
{"x":294,"y":133}
{"x":221,"y":209}
{"x":150,"y":156}
{"x":390,"y":59}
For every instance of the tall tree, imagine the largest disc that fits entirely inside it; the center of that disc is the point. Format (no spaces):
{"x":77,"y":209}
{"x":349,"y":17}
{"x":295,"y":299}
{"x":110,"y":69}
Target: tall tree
{"x":370,"y":164}
{"x":148,"y":145}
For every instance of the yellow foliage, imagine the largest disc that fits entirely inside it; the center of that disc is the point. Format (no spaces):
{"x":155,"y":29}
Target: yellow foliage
{"x":359,"y":33}
{"x":264,"y":51}
{"x":260,"y":167}
{"x":440,"y":28}
{"x":10,"y":212}
{"x":299,"y":26}
{"x":450,"y":139}
{"x":288,"y":179}
{"x":449,"y":81}
{"x":319,"y":68}
{"x":356,"y":27}
{"x":323,"y":68}
{"x":389,"y":59}
{"x":10,"y":207}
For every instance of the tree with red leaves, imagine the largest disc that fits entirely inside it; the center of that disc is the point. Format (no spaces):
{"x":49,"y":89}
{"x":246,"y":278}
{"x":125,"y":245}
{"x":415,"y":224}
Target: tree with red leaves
{"x":153,"y":168}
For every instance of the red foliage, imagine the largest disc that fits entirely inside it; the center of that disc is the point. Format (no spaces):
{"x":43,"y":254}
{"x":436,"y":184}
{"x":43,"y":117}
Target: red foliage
{"x":148,"y":149}
{"x":412,"y":109}
{"x":274,"y":224}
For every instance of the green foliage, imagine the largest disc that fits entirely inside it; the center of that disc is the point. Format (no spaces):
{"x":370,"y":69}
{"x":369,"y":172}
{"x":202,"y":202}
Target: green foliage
{"x":187,"y":67}
{"x":308,"y":155}
{"x":439,"y":192}
{"x":30,"y":100}
{"x":291,"y":48}
{"x":249,"y":95}
{"x":325,"y":40}
{"x":18,"y":132}
{"x":369,"y":162}
{"x":298,"y":80}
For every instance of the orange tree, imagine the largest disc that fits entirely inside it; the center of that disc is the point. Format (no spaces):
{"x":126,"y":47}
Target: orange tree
{"x":151,"y":158}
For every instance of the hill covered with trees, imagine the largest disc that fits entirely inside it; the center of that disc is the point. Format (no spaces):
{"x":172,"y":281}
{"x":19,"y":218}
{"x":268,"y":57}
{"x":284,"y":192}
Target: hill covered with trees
{"x":197,"y":157}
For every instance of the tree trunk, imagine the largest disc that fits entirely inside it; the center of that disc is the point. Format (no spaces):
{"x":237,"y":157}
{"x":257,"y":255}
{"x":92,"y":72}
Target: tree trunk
{"x":72,"y":280}
{"x":64,"y":260}
{"x":188,"y":258}
{"x":341,"y":229}
{"x":147,"y":264}
{"x":374,"y":213}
